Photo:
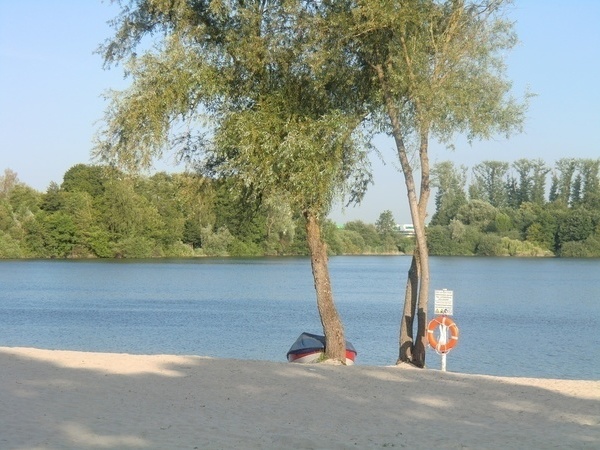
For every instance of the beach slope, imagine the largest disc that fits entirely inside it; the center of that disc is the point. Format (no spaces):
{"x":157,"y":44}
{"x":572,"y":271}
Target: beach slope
{"x":62,"y":399}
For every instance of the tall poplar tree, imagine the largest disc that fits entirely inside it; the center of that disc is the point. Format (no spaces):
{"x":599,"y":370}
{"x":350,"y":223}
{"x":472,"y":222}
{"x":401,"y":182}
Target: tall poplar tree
{"x":450,"y":182}
{"x":250,"y":90}
{"x":490,"y":183}
{"x":563,"y":180}
{"x":590,"y":170}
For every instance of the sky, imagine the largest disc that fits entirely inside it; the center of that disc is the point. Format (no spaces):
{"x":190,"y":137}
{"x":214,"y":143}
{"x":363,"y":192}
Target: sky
{"x":52,"y":85}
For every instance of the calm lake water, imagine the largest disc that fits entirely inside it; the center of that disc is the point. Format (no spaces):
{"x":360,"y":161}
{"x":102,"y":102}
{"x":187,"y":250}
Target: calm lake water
{"x":517,"y":317}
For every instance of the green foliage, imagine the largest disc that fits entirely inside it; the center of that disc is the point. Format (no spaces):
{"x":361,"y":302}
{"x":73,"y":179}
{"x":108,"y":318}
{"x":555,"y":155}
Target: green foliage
{"x":53,"y":199}
{"x":450,"y":195}
{"x":439,"y":241}
{"x":54,"y":235}
{"x":530,"y":183}
{"x":489,"y":245}
{"x":129,"y":217}
{"x":169,"y":215}
{"x":136,"y":247}
{"x":299,"y":245}
{"x":216,"y":243}
{"x":582,"y":249}
{"x":512,"y":247}
{"x":9,"y":247}
{"x":576,"y":225}
{"x":349,"y":242}
{"x":270,"y":85}
{"x":564,"y":225}
{"x":391,"y":240}
{"x":477,"y":213}
{"x":241,"y":248}
{"x":386,"y":225}
{"x":502,"y":223}
{"x":405,"y":245}
{"x":8,"y":180}
{"x":99,"y":242}
{"x":489,"y":183}
{"x":178,"y":250}
{"x":541,"y":234}
{"x":192,"y":233}
{"x":6,"y":215}
{"x":24,"y":200}
{"x":161,"y":192}
{"x":239,"y":212}
{"x":280,"y":225}
{"x":371,"y":237}
{"x":85,"y":178}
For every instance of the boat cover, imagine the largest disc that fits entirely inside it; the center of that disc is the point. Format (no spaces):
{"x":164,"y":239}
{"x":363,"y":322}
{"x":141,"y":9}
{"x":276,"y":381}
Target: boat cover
{"x":307,"y":342}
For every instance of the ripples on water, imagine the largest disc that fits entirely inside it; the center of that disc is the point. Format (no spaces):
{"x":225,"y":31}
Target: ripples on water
{"x":517,"y":317}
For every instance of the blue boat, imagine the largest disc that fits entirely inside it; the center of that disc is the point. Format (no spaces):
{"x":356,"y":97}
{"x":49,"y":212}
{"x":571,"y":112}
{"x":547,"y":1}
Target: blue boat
{"x":309,"y":348}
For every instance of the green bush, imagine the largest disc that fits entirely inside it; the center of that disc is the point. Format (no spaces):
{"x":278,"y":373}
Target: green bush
{"x":489,"y":245}
{"x":179,"y":250}
{"x":238,"y":247}
{"x":406,"y":245}
{"x":216,"y":243}
{"x":349,"y":242}
{"x":590,"y":248}
{"x":513,"y":247}
{"x":134,"y":247}
{"x":9,"y":248}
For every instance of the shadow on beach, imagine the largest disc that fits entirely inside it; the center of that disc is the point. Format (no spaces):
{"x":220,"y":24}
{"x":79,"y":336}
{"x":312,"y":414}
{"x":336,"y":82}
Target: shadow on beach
{"x":88,"y":400}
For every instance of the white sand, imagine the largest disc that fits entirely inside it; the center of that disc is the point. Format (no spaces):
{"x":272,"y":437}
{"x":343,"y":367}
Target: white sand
{"x":75,"y":400}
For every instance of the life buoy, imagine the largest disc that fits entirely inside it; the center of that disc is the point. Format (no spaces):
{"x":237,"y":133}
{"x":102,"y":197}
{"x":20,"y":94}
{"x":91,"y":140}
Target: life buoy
{"x":450,"y":326}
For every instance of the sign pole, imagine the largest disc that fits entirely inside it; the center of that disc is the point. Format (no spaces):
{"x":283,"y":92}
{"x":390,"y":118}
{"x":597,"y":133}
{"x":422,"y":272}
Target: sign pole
{"x":443,"y":341}
{"x":444,"y":305}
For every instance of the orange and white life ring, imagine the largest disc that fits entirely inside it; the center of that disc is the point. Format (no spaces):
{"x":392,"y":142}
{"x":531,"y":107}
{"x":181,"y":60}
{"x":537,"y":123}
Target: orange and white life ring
{"x":448,"y":324}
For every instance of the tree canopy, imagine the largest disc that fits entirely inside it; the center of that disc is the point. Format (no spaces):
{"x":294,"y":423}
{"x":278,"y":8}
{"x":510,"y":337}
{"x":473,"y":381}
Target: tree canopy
{"x":283,"y":87}
{"x":254,"y":91}
{"x":438,"y":70}
{"x":203,"y":217}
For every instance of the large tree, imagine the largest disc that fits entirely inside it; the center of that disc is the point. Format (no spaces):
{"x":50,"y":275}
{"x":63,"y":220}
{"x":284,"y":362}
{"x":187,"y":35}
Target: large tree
{"x":439,"y":70}
{"x":450,"y":182}
{"x":562,"y":180}
{"x":251,"y":90}
{"x":490,"y":183}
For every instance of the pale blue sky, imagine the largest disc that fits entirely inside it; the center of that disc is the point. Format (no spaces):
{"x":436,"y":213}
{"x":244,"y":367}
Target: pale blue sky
{"x":51,"y":86}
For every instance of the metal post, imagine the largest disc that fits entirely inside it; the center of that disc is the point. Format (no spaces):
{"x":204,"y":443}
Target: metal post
{"x":442,"y":341}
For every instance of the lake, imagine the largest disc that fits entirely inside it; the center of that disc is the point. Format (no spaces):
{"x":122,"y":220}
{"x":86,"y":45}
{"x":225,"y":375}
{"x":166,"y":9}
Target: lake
{"x":532,"y":317}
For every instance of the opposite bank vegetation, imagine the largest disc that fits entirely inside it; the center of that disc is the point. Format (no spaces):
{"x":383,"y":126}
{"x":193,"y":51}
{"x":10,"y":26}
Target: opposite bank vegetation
{"x":524,"y":208}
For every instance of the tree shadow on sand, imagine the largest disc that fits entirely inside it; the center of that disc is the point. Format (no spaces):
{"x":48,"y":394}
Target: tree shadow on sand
{"x":193,"y":402}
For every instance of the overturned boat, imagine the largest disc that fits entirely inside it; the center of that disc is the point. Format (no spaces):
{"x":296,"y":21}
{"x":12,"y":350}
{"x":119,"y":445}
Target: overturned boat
{"x":309,"y":348}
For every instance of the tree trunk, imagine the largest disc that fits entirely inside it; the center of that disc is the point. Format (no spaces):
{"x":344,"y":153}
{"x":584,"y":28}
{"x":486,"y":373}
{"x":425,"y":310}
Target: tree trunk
{"x":412,"y":349}
{"x":420,"y":343}
{"x":417,"y":287}
{"x":406,"y":341}
{"x":335,"y":343}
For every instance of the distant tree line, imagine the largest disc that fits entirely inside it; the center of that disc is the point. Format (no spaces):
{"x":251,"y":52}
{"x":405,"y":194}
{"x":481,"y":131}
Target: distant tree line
{"x":102,"y":212}
{"x":521,"y":209}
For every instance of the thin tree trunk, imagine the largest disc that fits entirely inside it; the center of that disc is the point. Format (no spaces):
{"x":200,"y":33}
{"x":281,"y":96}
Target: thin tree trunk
{"x":335,"y":344}
{"x":410,"y":303}
{"x":417,"y":289}
{"x":420,"y":343}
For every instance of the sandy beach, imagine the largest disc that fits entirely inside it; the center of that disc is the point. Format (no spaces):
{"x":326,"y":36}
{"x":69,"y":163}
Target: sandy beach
{"x":78,"y":400}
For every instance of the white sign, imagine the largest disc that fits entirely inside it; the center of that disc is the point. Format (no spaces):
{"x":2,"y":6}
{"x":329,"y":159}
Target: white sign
{"x":444,"y":300}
